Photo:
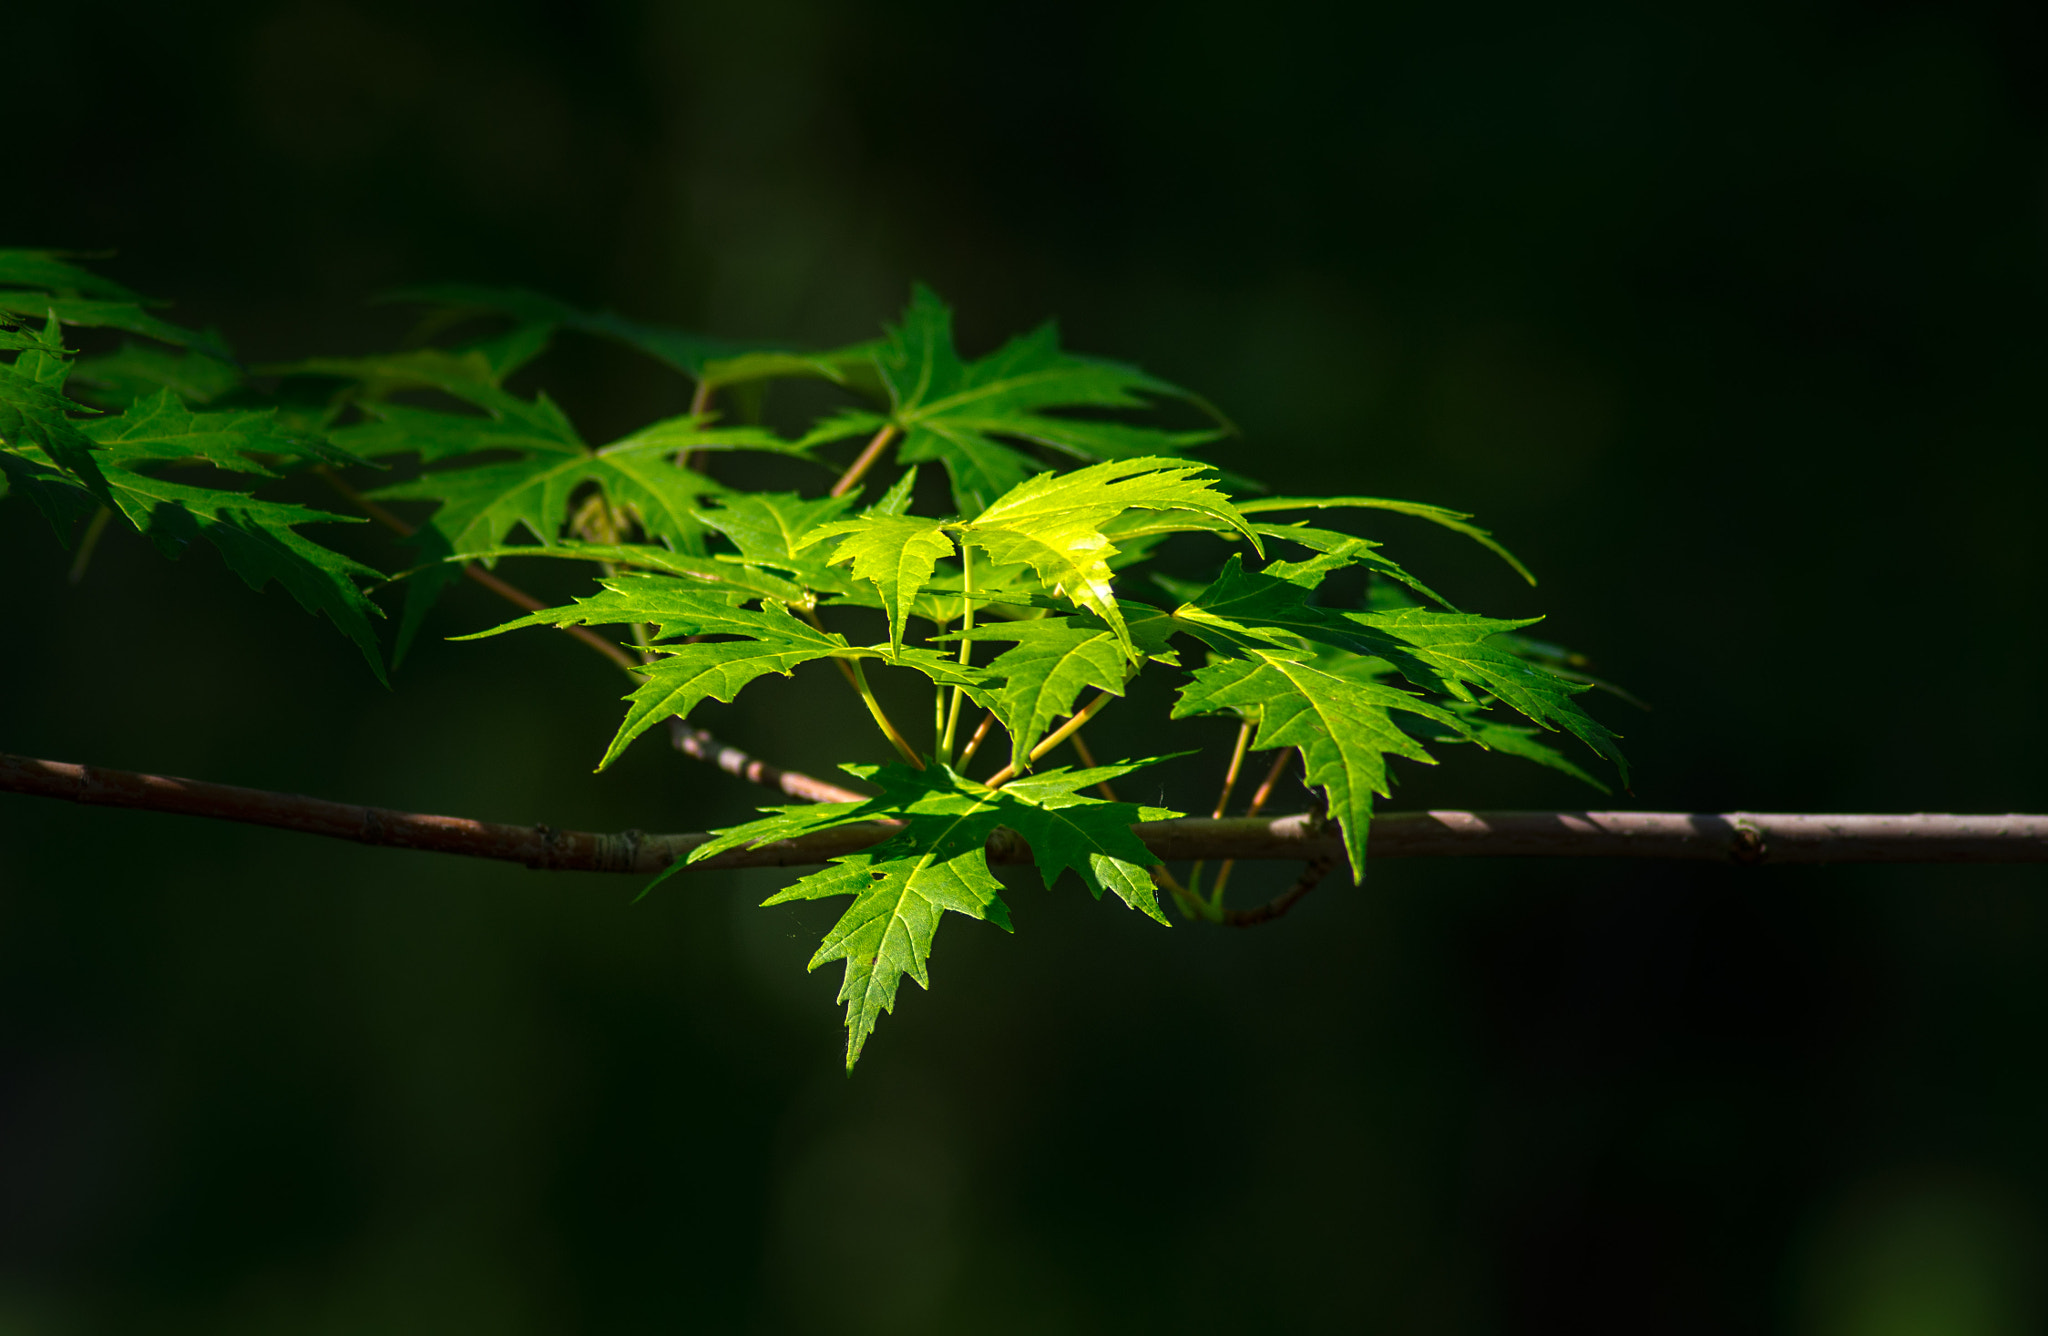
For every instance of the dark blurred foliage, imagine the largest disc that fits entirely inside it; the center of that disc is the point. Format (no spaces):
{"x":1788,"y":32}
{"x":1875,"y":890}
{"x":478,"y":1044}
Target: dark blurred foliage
{"x":1727,"y":318}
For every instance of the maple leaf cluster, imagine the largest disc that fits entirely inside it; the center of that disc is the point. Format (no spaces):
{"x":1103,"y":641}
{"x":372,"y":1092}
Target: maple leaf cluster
{"x":1058,"y":497}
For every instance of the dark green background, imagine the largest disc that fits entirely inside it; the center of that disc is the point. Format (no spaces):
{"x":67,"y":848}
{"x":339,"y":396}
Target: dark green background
{"x":1727,"y":318}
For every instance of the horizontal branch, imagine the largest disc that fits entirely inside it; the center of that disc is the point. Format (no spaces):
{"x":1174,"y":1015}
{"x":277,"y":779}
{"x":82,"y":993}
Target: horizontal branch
{"x":1748,"y":838}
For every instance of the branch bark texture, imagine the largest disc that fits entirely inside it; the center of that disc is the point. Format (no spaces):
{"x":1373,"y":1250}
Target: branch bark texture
{"x":1739,"y":837}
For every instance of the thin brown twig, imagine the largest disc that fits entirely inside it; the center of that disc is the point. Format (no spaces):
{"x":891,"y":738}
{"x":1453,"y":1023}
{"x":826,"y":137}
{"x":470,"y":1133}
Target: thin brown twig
{"x":1088,"y":760}
{"x":1244,"y":737}
{"x":1311,"y":875}
{"x":1747,"y":838}
{"x":513,"y":594}
{"x":1265,"y":789}
{"x":865,"y":460}
{"x":504,"y":589}
{"x":1258,"y":805}
{"x":696,"y":742}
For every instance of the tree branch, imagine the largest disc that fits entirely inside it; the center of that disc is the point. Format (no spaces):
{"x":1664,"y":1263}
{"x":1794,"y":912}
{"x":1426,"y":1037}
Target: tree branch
{"x":1749,"y":838}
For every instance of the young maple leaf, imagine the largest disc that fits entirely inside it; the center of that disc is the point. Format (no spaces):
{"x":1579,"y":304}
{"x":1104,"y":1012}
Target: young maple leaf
{"x":772,"y":526}
{"x":1090,"y":837}
{"x":1052,"y":662}
{"x":35,"y":420}
{"x":682,"y":676}
{"x":1454,"y":520}
{"x":70,"y":468}
{"x":1310,"y":677}
{"x":160,"y":428}
{"x":1452,"y":652}
{"x":713,"y":362}
{"x":895,"y":553}
{"x":480,"y":504}
{"x":1054,"y":523}
{"x":118,"y":379}
{"x":1343,"y":724}
{"x":1446,"y":652}
{"x":938,"y":862}
{"x":961,"y":414}
{"x":41,"y":283}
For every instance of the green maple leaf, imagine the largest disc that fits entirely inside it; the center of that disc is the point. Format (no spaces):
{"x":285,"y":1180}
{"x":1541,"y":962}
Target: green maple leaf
{"x":744,"y":577}
{"x":1447,"y":652}
{"x":938,"y":862}
{"x":770,"y":525}
{"x":899,"y":889}
{"x":1054,"y":523}
{"x":683,"y":676}
{"x":36,"y":417}
{"x":1243,"y":609}
{"x":1452,"y":652}
{"x":1342,"y":722}
{"x":1454,"y":520}
{"x":23,"y":336}
{"x":42,"y":283}
{"x":126,"y":316}
{"x":259,"y":541}
{"x":1519,"y":740}
{"x":1053,"y":661}
{"x":680,"y":349}
{"x":468,"y":375}
{"x":139,"y":370}
{"x":52,"y":271}
{"x":852,"y":366}
{"x":160,"y":428}
{"x":1335,"y":551}
{"x":714,"y":362}
{"x":768,"y":640}
{"x":1090,"y":837}
{"x":675,"y":607}
{"x":480,"y":504}
{"x":961,"y":413}
{"x":895,"y":553}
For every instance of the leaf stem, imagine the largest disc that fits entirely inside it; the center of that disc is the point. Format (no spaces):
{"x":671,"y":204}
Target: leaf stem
{"x":700,"y":404}
{"x":865,"y":460}
{"x":1265,"y":791}
{"x":966,"y":648}
{"x":364,"y":503}
{"x":1244,"y":737}
{"x":1088,"y":760}
{"x":1055,"y":738}
{"x":87,"y":544}
{"x":1190,"y":904}
{"x":867,"y":695}
{"x":974,"y":743}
